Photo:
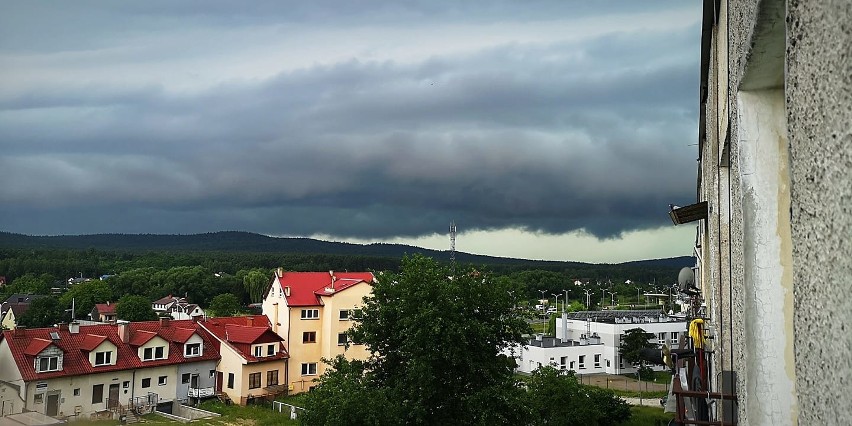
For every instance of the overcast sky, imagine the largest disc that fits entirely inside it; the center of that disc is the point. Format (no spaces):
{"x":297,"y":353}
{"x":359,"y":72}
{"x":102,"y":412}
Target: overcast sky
{"x":546,"y":129}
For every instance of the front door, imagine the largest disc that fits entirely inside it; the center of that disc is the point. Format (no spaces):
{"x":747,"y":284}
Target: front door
{"x":193,"y":381}
{"x":112,"y":402}
{"x":52,"y":405}
{"x":218,"y":381}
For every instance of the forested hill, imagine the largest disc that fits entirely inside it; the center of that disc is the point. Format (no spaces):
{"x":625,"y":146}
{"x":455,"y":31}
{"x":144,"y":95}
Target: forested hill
{"x":246,"y":242}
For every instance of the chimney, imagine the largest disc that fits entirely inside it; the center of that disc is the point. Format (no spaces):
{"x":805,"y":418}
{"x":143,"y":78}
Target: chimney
{"x":62,"y":326}
{"x":164,"y":322}
{"x":124,"y":331}
{"x":74,"y":327}
{"x":333,"y":279}
{"x":250,"y":320}
{"x":107,"y":302}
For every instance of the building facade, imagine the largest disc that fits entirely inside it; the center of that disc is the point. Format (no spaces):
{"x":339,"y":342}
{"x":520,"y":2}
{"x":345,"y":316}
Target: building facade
{"x":774,"y":189}
{"x":75,"y":371}
{"x":312,"y":312}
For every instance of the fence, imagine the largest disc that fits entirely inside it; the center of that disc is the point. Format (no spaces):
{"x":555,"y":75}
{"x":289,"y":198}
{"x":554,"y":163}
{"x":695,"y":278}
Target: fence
{"x":292,"y":409}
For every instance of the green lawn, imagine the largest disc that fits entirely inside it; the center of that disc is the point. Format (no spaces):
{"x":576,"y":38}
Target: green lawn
{"x":231,"y":415}
{"x":648,"y":416}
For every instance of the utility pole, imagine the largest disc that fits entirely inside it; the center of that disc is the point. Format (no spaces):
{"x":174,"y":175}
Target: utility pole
{"x":453,"y":247}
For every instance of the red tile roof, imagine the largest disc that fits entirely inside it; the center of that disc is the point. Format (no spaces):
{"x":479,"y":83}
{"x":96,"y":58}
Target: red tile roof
{"x":141,"y":337}
{"x":105,"y":308}
{"x":36,"y":346}
{"x":26,"y":344}
{"x":240,"y":333}
{"x":307,"y":287}
{"x":91,"y":341}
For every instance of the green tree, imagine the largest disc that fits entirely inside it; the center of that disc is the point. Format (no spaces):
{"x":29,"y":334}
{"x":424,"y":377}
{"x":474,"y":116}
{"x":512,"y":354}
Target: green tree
{"x":557,"y":398}
{"x":225,"y":305}
{"x":84,"y":296}
{"x":346,"y":396}
{"x":134,"y":308}
{"x":551,"y":325}
{"x":256,"y":282}
{"x":42,"y":312}
{"x":632,"y":343}
{"x":436,"y":341}
{"x":613,"y":410}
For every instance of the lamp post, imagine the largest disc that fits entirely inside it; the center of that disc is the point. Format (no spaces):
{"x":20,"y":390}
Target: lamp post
{"x":565,"y":301}
{"x":556,"y":298}
{"x":611,"y":298}
{"x":587,"y":298}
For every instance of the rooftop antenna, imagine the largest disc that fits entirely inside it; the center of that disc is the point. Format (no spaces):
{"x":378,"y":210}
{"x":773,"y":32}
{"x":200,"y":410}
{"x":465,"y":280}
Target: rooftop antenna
{"x":453,"y":247}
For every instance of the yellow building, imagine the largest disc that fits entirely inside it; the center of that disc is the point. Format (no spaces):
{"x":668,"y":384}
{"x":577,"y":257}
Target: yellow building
{"x":312,"y":312}
{"x":253,"y":362}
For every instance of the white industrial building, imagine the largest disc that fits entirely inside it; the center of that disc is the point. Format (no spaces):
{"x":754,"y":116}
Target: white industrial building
{"x":588,"y":342}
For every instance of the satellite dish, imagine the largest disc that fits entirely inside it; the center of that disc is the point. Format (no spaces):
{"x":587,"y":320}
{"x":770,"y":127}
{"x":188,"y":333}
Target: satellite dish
{"x":686,"y":280}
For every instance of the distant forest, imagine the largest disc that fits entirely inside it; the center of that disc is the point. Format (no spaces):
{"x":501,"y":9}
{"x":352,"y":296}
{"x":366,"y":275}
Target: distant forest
{"x":186,"y":264}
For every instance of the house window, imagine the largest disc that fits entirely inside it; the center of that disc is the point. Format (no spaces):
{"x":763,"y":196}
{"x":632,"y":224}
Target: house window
{"x":342,"y":339}
{"x":146,"y":383}
{"x":597,"y":360}
{"x":254,"y":380}
{"x":212,"y":373}
{"x":153,"y":353}
{"x":582,"y":362}
{"x":310,"y":313}
{"x":272,"y":378}
{"x":562,"y":362}
{"x":270,"y":350}
{"x":674,"y":336}
{"x":571,"y":366}
{"x":126,"y":384}
{"x":76,"y":391}
{"x":47,"y":363}
{"x":309,"y":368}
{"x":192,"y":349}
{"x":344,"y":314}
{"x":309,"y":337}
{"x":607,"y":363}
{"x":97,"y":394}
{"x":230,"y":380}
{"x":162,"y":380}
{"x":38,"y":398}
{"x":184,"y":378}
{"x":103,"y":358}
{"x":258,"y":351}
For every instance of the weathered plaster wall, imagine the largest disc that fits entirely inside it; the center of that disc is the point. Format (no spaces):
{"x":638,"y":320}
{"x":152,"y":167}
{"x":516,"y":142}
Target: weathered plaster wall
{"x":819,"y":114}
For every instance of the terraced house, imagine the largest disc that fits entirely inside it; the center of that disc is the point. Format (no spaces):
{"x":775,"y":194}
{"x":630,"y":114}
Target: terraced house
{"x":75,"y":371}
{"x":312,"y":312}
{"x":253,"y":358}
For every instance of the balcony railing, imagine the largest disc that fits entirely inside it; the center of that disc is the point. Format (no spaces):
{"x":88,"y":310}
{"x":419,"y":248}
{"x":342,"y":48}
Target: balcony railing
{"x":200,"y":392}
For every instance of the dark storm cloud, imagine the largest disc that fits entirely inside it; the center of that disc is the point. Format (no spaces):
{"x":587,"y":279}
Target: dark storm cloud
{"x":549,"y":135}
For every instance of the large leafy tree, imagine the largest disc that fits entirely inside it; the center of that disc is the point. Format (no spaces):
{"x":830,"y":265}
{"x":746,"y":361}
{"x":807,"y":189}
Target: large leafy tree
{"x":436,"y":341}
{"x":555,"y":397}
{"x":632,"y":343}
{"x":134,"y":308}
{"x":256,"y":282}
{"x":42,"y":312}
{"x":83,"y":297}
{"x":225,"y":305}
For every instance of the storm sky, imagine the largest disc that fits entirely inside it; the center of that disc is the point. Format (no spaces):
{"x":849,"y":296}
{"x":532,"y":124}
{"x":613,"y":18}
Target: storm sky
{"x":545,"y":129}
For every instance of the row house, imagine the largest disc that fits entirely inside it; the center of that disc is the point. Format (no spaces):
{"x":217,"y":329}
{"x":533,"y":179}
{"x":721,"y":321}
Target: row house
{"x":312,"y":312}
{"x":75,"y":371}
{"x":253,"y":357}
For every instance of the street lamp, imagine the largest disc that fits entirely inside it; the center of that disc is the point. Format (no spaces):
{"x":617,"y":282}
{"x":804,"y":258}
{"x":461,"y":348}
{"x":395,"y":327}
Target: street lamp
{"x":556,"y":298}
{"x":565,"y":301}
{"x":611,"y":298}
{"x":587,"y":298}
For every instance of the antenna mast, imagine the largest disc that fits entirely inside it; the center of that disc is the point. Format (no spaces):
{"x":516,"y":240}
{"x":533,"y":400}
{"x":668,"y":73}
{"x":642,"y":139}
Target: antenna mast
{"x":453,"y":246}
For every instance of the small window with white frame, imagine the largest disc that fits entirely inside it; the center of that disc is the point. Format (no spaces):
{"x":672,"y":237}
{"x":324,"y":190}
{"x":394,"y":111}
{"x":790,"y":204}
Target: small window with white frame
{"x":47,"y":363}
{"x":192,"y":349}
{"x":344,"y":314}
{"x":309,"y":369}
{"x":103,"y":358}
{"x":310,"y":314}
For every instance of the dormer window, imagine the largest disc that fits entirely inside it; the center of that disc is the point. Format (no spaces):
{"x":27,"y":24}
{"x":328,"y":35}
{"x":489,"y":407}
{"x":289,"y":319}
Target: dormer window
{"x":258,"y":351}
{"x":192,"y":349}
{"x":157,"y":352}
{"x":103,"y":358}
{"x":47,"y":363}
{"x":270,"y":350}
